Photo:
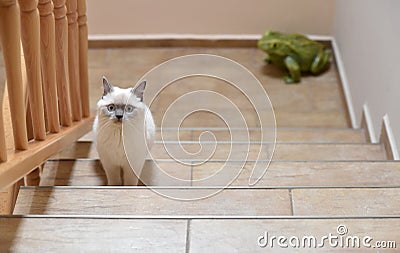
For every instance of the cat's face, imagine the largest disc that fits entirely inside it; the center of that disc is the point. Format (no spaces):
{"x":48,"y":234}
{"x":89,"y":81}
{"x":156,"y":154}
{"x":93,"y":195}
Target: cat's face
{"x":119,"y":104}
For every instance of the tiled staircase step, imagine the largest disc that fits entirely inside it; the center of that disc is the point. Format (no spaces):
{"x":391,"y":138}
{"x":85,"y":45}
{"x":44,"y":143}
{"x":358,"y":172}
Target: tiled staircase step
{"x":316,"y":119}
{"x":217,"y":235}
{"x":144,"y":201}
{"x":229,"y":202}
{"x":313,"y":135}
{"x":208,"y":119}
{"x":91,"y":235}
{"x":339,"y":202}
{"x":320,"y":135}
{"x":297,"y":151}
{"x":307,"y":174}
{"x":306,"y":97}
{"x":37,"y":234}
{"x":312,"y":89}
{"x":73,"y":172}
{"x":88,"y":172}
{"x":311,"y":119}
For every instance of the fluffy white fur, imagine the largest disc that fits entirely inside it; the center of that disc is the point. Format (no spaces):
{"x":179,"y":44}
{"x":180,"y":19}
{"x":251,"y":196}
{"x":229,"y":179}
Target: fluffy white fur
{"x":134,"y":130}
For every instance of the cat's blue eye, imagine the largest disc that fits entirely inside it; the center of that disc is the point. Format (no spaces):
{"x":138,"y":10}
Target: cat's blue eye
{"x":129,"y":108}
{"x":111,"y":107}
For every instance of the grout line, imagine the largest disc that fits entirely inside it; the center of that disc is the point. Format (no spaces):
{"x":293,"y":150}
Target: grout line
{"x":200,"y":217}
{"x":177,"y":142}
{"x":234,"y":161}
{"x":311,"y":129}
{"x":191,"y":173}
{"x":230,"y":188}
{"x":187,"y":250}
{"x":291,"y":201}
{"x":258,"y":143}
{"x":191,"y":163}
{"x":259,"y":129}
{"x":191,"y":135}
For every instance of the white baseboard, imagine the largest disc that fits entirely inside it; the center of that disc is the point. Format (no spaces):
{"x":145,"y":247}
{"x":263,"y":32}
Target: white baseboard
{"x":369,"y":125}
{"x":94,"y":37}
{"x":390,"y":137}
{"x":174,"y":36}
{"x":345,"y":84}
{"x":392,"y":147}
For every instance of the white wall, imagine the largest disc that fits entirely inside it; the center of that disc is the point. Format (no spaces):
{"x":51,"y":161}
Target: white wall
{"x":368,"y":36}
{"x":209,"y":16}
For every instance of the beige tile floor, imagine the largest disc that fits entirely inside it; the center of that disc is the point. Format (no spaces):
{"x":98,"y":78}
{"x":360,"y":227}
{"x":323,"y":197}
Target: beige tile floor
{"x":92,"y":235}
{"x":210,"y":235}
{"x":83,"y":172}
{"x":147,"y":202}
{"x":341,"y":202}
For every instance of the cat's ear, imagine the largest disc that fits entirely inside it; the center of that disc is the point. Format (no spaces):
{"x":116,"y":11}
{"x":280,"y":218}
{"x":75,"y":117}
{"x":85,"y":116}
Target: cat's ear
{"x":107,"y":86}
{"x":138,"y":90}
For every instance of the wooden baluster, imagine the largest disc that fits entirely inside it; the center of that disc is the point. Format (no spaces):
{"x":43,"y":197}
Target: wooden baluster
{"x":10,"y":40}
{"x":29,"y":124}
{"x":3,"y":148}
{"x":83,"y":58}
{"x":33,"y":178}
{"x":31,"y":44}
{"x":61,"y":42}
{"x":73,"y":59}
{"x":47,"y":49}
{"x":3,"y":141}
{"x":13,"y":194}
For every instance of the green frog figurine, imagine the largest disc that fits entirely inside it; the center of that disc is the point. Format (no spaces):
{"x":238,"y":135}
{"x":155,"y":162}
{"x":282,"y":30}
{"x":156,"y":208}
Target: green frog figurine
{"x":295,"y":53}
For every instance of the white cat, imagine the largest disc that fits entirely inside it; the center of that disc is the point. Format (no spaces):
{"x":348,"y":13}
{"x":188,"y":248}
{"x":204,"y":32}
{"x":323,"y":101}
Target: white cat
{"x":125,"y":107}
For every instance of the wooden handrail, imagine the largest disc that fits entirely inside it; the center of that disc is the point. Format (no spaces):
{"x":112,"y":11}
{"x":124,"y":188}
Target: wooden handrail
{"x":47,"y":85}
{"x":23,"y":162}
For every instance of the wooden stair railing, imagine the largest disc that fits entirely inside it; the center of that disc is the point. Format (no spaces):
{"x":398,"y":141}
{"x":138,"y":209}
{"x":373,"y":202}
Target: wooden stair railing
{"x":47,"y":86}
